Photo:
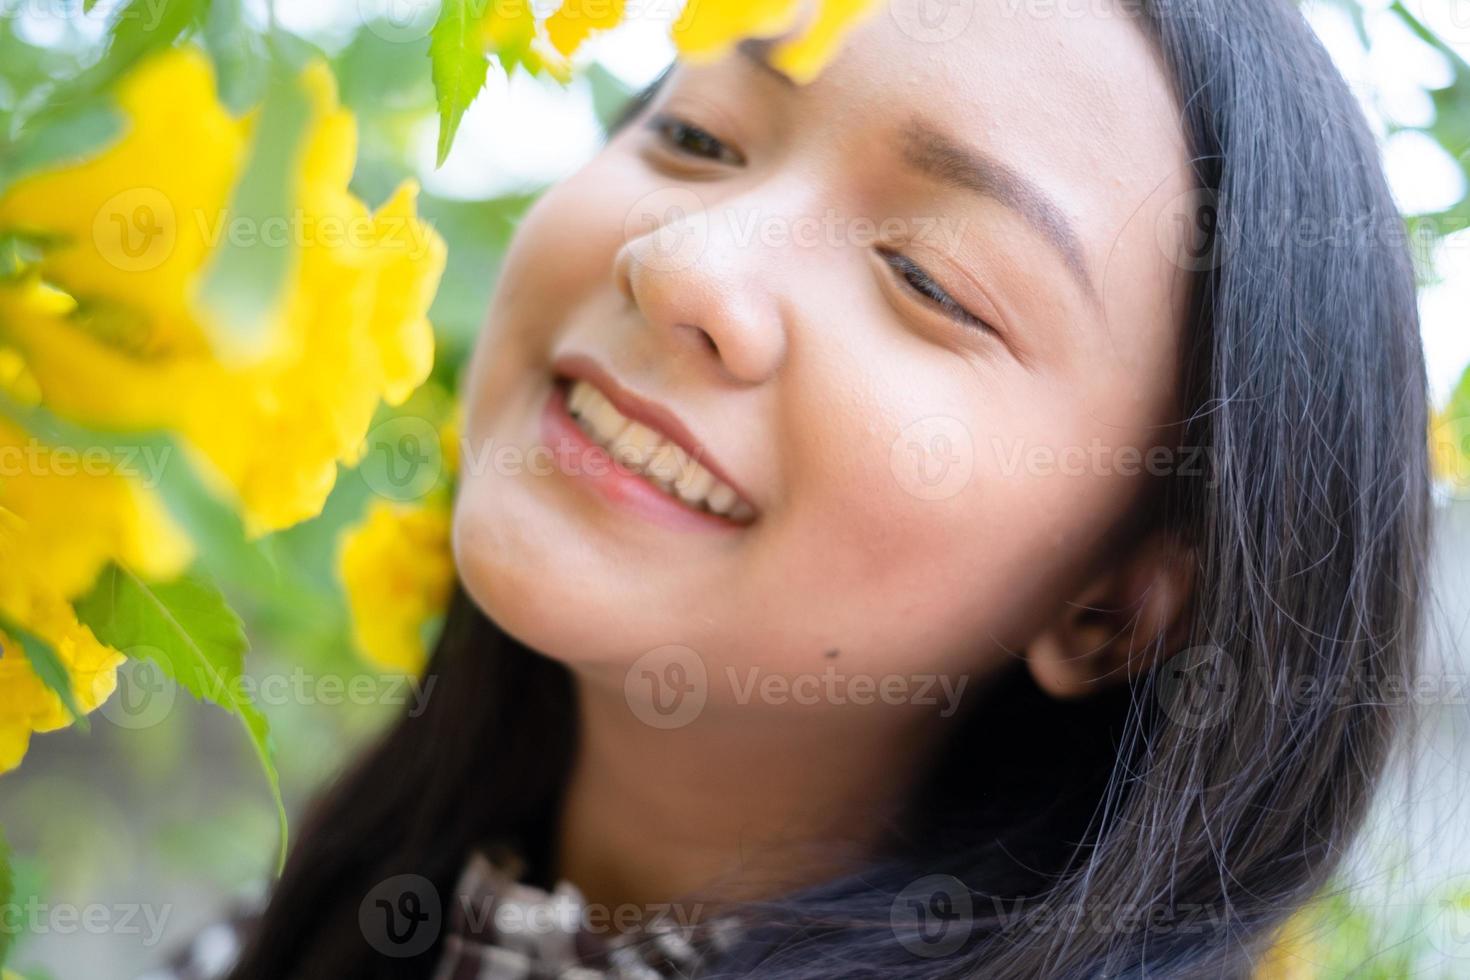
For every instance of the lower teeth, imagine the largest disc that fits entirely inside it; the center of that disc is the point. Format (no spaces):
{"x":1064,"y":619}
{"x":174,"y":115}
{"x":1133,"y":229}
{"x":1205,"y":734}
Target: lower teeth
{"x":647,"y":477}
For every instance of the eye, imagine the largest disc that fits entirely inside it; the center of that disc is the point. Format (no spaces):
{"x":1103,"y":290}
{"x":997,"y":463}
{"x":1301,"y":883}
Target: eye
{"x":920,"y":282}
{"x":688,"y":139}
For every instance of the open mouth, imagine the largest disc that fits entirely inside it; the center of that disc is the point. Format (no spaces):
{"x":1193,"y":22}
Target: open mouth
{"x":648,"y":453}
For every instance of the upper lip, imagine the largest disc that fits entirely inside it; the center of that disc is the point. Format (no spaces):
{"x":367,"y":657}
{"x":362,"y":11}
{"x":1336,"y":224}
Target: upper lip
{"x":649,"y":413}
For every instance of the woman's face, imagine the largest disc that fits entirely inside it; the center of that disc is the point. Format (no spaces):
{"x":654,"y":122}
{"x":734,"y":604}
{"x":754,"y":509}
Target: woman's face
{"x":927,"y":471}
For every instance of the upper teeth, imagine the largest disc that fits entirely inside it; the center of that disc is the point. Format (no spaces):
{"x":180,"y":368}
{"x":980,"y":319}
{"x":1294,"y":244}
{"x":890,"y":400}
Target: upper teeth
{"x":640,"y":448}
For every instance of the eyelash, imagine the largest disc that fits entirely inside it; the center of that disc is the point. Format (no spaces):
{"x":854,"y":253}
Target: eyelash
{"x":923,"y":284}
{"x":671,"y":128}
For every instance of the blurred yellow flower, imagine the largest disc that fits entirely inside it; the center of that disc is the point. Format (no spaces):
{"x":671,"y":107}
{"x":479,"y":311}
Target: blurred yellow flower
{"x":397,"y":571}
{"x":708,"y":29}
{"x":132,"y":345}
{"x":575,"y":20}
{"x":1449,"y":447}
{"x":63,"y":515}
{"x":1296,"y":953}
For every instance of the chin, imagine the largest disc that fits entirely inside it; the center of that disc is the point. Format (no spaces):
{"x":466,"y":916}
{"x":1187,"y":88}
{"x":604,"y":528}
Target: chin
{"x":544,"y":596}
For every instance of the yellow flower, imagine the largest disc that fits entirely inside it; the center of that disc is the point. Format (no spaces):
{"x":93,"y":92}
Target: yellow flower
{"x":706,"y":30}
{"x":63,"y":515}
{"x":575,"y":20}
{"x":397,"y":570}
{"x":128,"y":220}
{"x":134,"y":345}
{"x":802,"y":57}
{"x":509,"y":29}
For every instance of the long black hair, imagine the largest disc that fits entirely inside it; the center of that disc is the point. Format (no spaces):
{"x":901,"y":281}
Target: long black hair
{"x":1116,"y":838}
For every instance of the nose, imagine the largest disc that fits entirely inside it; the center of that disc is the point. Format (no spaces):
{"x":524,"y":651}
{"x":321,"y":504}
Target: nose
{"x":708,"y":290}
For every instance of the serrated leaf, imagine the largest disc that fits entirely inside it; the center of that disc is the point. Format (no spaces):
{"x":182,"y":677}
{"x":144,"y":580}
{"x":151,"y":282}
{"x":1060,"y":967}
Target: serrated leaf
{"x":458,"y":66}
{"x":48,"y":667}
{"x":190,"y":632}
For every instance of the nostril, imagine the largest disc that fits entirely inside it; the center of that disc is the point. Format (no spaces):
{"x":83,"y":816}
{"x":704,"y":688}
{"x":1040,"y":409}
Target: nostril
{"x":704,"y":335}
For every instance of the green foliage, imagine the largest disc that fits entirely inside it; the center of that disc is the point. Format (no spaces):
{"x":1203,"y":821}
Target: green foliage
{"x":459,"y":65}
{"x":189,"y":631}
{"x":245,"y":276}
{"x":7,"y":889}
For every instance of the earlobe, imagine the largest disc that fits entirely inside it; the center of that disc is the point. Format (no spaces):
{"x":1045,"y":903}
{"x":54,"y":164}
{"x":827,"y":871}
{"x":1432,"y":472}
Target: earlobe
{"x":1121,"y":625}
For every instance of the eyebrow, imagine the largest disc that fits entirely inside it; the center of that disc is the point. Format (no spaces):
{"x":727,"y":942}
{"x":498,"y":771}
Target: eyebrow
{"x":934,"y":153}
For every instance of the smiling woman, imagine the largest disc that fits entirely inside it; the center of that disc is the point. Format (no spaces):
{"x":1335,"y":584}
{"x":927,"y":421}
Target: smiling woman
{"x":1051,"y":417}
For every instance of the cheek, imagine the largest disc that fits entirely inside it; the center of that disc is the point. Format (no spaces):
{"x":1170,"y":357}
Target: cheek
{"x":560,"y":257}
{"x":920,"y":521}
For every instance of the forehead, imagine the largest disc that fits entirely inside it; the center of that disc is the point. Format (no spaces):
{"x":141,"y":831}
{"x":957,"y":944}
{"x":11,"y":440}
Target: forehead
{"x":1075,"y":97}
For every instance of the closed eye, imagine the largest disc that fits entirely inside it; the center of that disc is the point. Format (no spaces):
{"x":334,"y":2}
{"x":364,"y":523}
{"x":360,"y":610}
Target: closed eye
{"x":690,"y":140}
{"x":922,"y":283}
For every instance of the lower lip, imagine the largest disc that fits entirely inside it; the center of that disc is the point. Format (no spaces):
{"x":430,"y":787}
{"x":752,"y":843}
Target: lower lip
{"x":587,"y":463}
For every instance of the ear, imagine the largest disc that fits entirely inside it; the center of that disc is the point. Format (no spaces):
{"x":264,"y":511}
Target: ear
{"x":1126,"y":620}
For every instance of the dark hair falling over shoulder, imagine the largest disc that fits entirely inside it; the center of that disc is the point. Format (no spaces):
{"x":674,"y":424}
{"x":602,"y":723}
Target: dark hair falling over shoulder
{"x":1088,"y":845}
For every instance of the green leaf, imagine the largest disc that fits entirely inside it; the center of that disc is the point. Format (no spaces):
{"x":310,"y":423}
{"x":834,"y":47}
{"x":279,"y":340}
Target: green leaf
{"x":610,"y":94}
{"x":458,"y":65}
{"x":59,"y":138}
{"x":7,"y":890}
{"x":188,"y":630}
{"x":48,"y":667}
{"x":257,"y":233}
{"x":241,"y":60}
{"x":139,"y":28}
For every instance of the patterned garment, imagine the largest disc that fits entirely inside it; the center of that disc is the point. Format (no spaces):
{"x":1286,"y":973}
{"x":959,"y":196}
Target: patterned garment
{"x":502,"y":928}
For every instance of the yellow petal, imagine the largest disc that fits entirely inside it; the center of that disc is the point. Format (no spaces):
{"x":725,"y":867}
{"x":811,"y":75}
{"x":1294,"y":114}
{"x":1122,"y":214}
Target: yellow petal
{"x":706,"y":29}
{"x":132,"y":218}
{"x":575,"y":20}
{"x":411,"y":259}
{"x":397,"y":572}
{"x":805,"y":55}
{"x":63,"y":515}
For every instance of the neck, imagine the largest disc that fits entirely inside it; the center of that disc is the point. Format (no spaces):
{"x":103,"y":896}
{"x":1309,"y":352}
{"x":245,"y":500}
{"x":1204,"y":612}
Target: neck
{"x":741,"y":803}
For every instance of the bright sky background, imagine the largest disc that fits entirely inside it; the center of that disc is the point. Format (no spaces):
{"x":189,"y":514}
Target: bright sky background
{"x":556,"y":130}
